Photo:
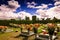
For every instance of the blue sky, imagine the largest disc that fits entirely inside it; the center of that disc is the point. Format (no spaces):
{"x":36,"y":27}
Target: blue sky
{"x":21,"y":8}
{"x":23,"y":4}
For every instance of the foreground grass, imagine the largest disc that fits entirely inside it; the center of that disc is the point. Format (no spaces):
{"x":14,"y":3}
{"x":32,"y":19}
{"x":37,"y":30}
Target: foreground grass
{"x":10,"y":35}
{"x":13,"y":34}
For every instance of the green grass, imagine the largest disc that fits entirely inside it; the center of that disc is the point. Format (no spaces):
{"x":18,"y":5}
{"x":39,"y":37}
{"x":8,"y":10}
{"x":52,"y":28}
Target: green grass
{"x":59,"y":33}
{"x":11,"y":35}
{"x":40,"y":29}
{"x":15,"y":29}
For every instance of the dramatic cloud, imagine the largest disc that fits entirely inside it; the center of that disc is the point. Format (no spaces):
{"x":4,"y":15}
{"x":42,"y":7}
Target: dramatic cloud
{"x":50,"y":13}
{"x":42,"y":6}
{"x":13,"y":4}
{"x":33,"y":5}
{"x":42,"y":13}
{"x":24,"y":14}
{"x":30,"y":6}
{"x":8,"y":15}
{"x":7,"y":11}
{"x":57,"y":3}
{"x":54,"y":12}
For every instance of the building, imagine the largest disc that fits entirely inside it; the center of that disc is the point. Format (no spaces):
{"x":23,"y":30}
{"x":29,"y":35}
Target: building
{"x":33,"y":18}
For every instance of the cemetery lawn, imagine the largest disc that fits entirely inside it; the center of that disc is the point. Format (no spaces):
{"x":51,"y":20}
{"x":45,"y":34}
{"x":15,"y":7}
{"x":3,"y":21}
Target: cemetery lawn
{"x":12,"y":35}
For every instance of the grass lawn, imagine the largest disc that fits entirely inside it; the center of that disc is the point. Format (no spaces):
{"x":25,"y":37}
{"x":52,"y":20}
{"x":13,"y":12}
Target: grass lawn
{"x":12,"y":35}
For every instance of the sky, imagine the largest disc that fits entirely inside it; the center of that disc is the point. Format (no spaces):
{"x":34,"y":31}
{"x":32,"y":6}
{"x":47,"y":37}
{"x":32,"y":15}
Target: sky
{"x":15,"y":9}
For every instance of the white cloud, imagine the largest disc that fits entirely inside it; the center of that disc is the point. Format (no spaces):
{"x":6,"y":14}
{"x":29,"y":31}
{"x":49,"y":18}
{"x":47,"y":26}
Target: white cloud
{"x":30,"y":6}
{"x":56,"y":0}
{"x":34,"y":5}
{"x":49,"y":4}
{"x":57,"y":3}
{"x":8,"y":15}
{"x":50,"y":13}
{"x":4,"y":8}
{"x":13,"y":4}
{"x":28,"y":3}
{"x":38,"y":7}
{"x":23,"y":14}
{"x":41,"y":7}
{"x":42,"y":13}
{"x":54,"y":12}
{"x":7,"y":11}
{"x":44,"y":5}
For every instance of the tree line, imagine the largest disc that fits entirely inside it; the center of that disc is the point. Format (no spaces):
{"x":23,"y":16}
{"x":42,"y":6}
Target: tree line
{"x":6,"y":22}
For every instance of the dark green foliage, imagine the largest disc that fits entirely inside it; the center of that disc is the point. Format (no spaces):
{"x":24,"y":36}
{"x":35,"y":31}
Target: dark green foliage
{"x":27,"y":21}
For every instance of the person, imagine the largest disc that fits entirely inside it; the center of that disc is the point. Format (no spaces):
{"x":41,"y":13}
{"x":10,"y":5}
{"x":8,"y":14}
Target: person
{"x":21,"y":29}
{"x":28,"y":28}
{"x":35,"y":29}
{"x":51,"y":30}
{"x":0,"y":30}
{"x":58,"y":29}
